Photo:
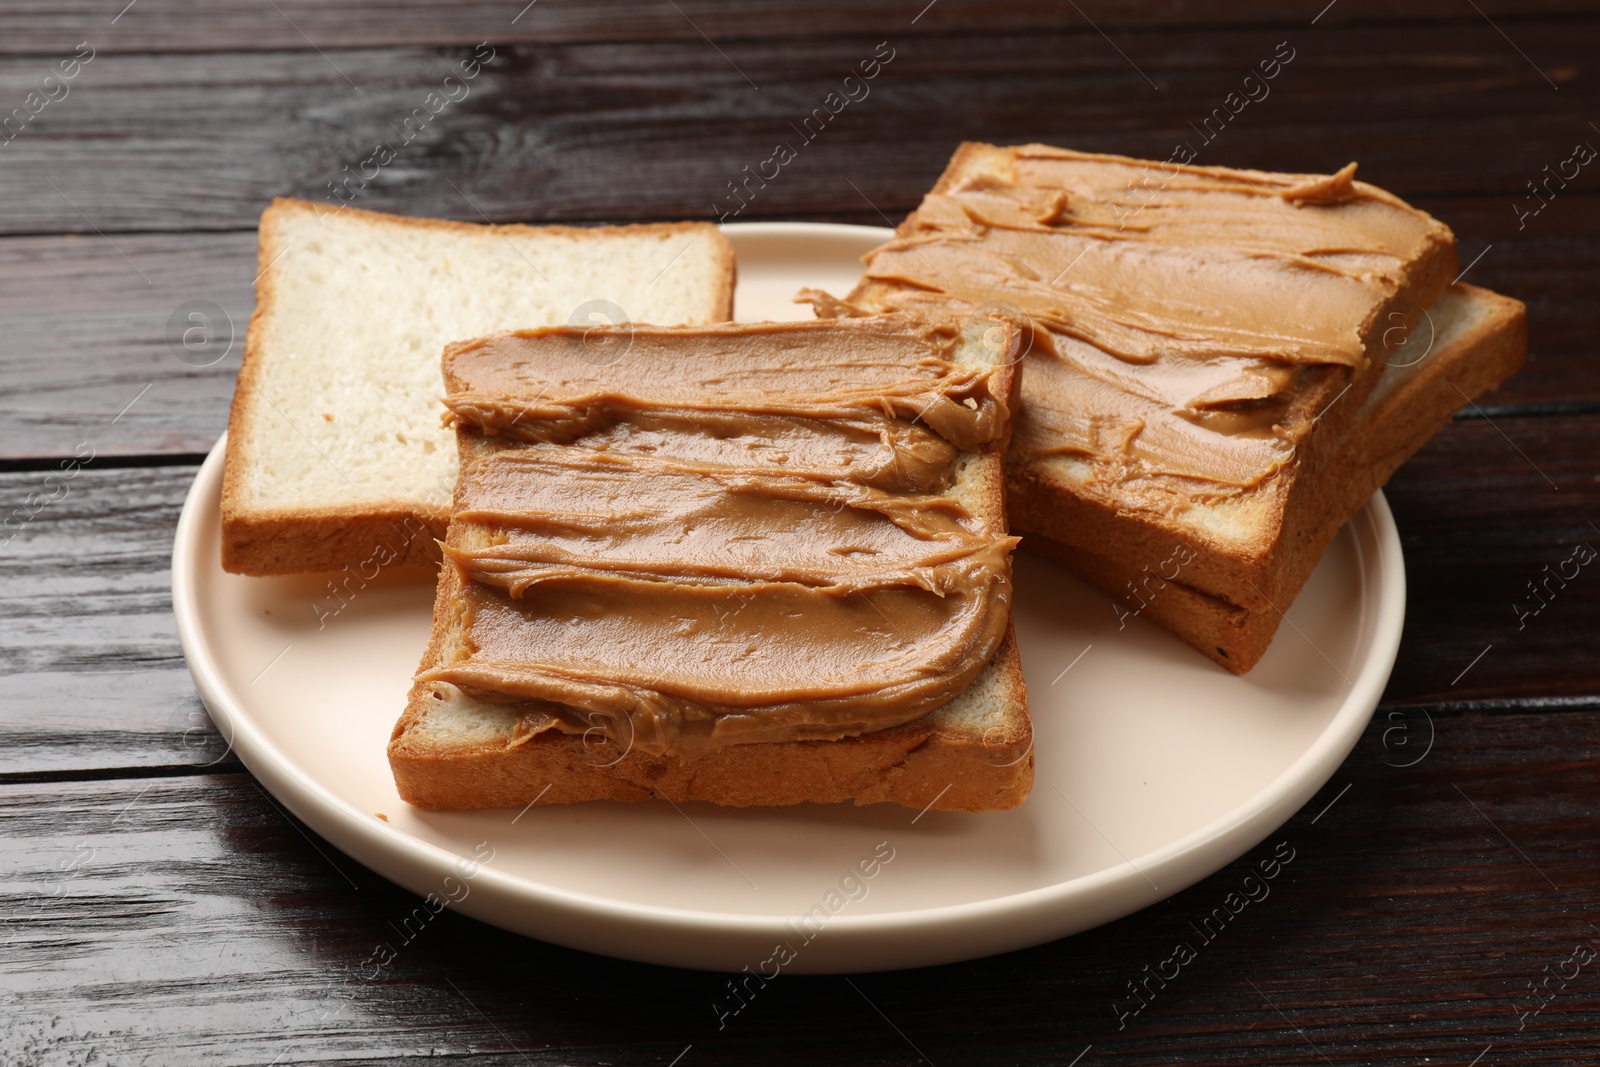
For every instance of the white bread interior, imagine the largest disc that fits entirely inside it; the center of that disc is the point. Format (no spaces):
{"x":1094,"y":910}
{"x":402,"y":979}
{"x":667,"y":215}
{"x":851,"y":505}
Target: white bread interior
{"x":335,"y":441}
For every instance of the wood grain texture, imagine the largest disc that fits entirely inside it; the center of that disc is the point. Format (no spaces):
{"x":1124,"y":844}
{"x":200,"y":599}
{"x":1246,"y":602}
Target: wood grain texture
{"x":89,"y":333}
{"x":659,"y":130}
{"x":1550,"y":262}
{"x":94,"y":677}
{"x":237,"y":25}
{"x":181,"y":920}
{"x":1483,"y":510}
{"x":75,"y":302}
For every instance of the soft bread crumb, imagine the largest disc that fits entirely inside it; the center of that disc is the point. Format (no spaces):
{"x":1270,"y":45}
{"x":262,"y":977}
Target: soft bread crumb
{"x":335,"y":431}
{"x":456,"y":721}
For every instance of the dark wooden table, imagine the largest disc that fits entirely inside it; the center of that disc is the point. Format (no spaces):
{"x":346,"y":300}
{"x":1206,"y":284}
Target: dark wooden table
{"x":157,"y":907}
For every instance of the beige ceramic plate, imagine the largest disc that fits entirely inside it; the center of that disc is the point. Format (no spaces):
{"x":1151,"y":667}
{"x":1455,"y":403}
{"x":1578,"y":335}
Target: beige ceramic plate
{"x":1155,"y":767}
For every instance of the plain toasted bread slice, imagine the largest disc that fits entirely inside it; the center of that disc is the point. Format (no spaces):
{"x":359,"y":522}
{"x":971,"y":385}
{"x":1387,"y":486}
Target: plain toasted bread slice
{"x":336,"y":453}
{"x":1472,"y":341}
{"x":973,"y":753}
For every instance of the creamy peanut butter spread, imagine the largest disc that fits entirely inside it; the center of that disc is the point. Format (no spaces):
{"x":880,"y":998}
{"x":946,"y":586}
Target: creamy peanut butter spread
{"x":1185,"y":310}
{"x":729,"y":534}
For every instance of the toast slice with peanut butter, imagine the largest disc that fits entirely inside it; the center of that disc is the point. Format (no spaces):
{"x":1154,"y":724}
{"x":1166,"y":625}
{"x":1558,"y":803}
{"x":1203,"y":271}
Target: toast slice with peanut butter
{"x":754,"y":564}
{"x":1472,"y":341}
{"x":1203,"y":340}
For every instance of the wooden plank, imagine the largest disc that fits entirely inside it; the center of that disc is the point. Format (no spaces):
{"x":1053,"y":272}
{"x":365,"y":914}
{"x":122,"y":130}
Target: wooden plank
{"x":188,"y":920}
{"x":624,"y":131}
{"x":95,"y":678}
{"x":100,"y":351}
{"x":84,"y":335}
{"x":1483,"y":510}
{"x":1549,"y":261}
{"x":94,"y":674}
{"x":240,"y":25}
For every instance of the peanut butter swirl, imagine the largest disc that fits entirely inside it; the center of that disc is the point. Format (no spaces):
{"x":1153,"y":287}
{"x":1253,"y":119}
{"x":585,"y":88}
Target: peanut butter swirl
{"x":899,"y":371}
{"x":1184,"y":310}
{"x":733,"y":534}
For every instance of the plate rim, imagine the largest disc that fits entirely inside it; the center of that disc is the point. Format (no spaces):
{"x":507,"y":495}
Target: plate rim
{"x":397,"y":855}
